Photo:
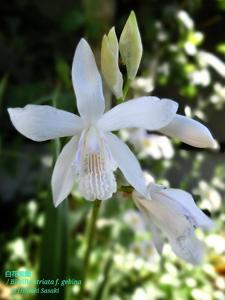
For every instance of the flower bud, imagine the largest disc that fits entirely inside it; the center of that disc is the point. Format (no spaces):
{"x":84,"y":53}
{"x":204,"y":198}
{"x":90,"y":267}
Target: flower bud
{"x":130,"y":46}
{"x":109,"y":63}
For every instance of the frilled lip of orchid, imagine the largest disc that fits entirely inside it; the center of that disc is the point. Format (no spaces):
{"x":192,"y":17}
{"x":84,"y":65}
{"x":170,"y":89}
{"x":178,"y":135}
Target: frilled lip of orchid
{"x":173,"y":213}
{"x":43,"y":122}
{"x":94,"y":166}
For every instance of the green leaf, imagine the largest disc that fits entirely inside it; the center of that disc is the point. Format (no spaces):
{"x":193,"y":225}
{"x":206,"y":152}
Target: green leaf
{"x":54,"y":250}
{"x":55,"y":239}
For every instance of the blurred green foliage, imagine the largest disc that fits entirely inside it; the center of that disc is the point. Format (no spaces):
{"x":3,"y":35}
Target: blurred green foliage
{"x":37,"y":42}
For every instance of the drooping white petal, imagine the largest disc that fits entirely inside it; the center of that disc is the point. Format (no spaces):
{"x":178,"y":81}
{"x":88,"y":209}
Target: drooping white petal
{"x":87,"y":83}
{"x":184,"y":203}
{"x":189,"y":131}
{"x":146,"y":112}
{"x":43,"y":122}
{"x":177,"y":227}
{"x":172,"y":219}
{"x":164,"y":216}
{"x":63,"y":177}
{"x":157,"y":237}
{"x":94,"y":166}
{"x":127,"y":163}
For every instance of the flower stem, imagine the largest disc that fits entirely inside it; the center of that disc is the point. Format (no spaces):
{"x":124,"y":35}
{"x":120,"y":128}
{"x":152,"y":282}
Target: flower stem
{"x":119,"y":100}
{"x":90,"y":238}
{"x":126,"y":189}
{"x":126,"y":88}
{"x":125,"y":91}
{"x":104,"y":285}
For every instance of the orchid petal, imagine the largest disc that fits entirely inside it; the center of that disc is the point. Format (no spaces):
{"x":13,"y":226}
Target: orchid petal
{"x":148,"y":218}
{"x":167,"y":214}
{"x":177,"y":227}
{"x":188,"y":247}
{"x":43,"y":122}
{"x":87,"y":83}
{"x":184,"y":203}
{"x":146,"y":112}
{"x":190,"y":132}
{"x":63,"y":176}
{"x":127,"y":162}
{"x":157,"y":237}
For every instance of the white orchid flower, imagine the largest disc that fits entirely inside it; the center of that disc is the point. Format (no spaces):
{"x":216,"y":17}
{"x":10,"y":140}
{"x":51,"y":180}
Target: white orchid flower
{"x":92,"y":155}
{"x":174,"y":213}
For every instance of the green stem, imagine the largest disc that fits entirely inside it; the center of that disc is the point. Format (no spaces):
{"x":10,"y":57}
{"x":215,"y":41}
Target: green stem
{"x":125,"y":91}
{"x":126,"y":88}
{"x":90,"y":238}
{"x":126,"y":189}
{"x":119,"y":100}
{"x":103,"y":287}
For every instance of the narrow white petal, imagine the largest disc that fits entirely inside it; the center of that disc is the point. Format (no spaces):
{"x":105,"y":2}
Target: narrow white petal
{"x":146,"y":112}
{"x":87,"y":83}
{"x":190,"y":132}
{"x":43,"y":122}
{"x":184,"y":203}
{"x":127,"y":163}
{"x":63,"y":177}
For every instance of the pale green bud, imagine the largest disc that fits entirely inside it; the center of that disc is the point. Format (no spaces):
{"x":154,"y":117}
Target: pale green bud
{"x":131,"y":46}
{"x":110,"y":65}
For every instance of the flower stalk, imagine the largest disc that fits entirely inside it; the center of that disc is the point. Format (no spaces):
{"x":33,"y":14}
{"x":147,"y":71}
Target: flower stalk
{"x":126,"y":88}
{"x":91,"y":229}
